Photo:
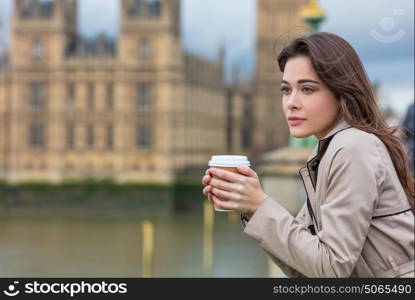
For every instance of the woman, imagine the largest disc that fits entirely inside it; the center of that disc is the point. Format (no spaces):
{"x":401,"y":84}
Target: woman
{"x":358,"y":218}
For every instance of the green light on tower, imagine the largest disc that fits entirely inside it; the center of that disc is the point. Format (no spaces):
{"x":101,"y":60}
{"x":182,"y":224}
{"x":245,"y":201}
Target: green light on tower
{"x":313,"y":15}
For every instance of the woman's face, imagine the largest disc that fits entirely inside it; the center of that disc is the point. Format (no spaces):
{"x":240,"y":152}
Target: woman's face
{"x":306,"y":97}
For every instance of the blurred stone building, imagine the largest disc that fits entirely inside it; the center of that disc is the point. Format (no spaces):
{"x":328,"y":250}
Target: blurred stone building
{"x":138,"y":108}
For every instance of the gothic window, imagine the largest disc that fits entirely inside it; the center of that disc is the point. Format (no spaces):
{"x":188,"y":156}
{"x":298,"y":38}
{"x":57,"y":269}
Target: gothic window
{"x":70,"y":136}
{"x":144,"y":49}
{"x":144,"y":96}
{"x":154,"y":8}
{"x":70,"y":95}
{"x":110,"y":136}
{"x":36,"y":135}
{"x":37,"y":49}
{"x":90,"y":136}
{"x":110,"y":96}
{"x":144,"y":136}
{"x":90,"y":97}
{"x":135,"y":8}
{"x":37,"y":96}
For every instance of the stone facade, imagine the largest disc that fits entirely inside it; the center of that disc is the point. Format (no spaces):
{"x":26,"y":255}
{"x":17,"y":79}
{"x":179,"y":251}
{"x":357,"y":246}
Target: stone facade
{"x":135,"y":109}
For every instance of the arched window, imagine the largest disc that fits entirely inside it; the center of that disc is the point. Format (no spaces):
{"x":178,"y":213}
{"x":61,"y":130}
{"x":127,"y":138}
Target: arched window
{"x":110,"y":96}
{"x":70,"y":136}
{"x":70,"y":95}
{"x":90,"y":136}
{"x":144,"y":49}
{"x":37,"y":49}
{"x":144,"y":96}
{"x":90,"y":96}
{"x":154,"y":8}
{"x":110,"y":136}
{"x":36,"y":135}
{"x":144,"y":136}
{"x":37,"y":96}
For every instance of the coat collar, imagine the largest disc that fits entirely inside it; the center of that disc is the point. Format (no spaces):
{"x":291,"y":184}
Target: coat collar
{"x":321,"y":148}
{"x":309,"y":173}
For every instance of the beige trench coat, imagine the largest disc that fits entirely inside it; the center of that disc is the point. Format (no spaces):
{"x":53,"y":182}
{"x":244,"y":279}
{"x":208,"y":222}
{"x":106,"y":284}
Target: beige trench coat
{"x":357,"y":222}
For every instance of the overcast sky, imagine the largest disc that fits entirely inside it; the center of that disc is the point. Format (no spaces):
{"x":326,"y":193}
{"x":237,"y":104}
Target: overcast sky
{"x":382,"y":32}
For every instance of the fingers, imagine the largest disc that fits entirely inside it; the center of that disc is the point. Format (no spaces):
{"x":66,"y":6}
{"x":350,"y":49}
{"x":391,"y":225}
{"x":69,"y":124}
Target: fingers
{"x":224,"y":194}
{"x":207,"y":190}
{"x":226,"y":186}
{"x":206,"y":179}
{"x":227,"y":175}
{"x":245,"y":170}
{"x":224,"y":204}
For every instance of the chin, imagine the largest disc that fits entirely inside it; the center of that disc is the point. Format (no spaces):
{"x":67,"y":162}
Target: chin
{"x":299,"y":134}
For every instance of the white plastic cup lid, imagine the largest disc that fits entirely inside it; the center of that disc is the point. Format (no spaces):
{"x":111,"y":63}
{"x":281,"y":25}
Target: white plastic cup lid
{"x":229,"y":161}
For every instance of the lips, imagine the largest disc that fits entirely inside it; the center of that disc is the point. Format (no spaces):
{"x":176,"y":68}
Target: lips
{"x":295,"y":118}
{"x":293,"y":121}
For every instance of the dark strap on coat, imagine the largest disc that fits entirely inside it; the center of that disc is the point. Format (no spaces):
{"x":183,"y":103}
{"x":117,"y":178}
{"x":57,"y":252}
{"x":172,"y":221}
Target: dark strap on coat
{"x":394,"y":214}
{"x":313,"y":217}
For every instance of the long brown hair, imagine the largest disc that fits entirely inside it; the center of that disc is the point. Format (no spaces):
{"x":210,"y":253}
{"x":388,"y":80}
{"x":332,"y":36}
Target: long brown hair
{"x":338,"y":65}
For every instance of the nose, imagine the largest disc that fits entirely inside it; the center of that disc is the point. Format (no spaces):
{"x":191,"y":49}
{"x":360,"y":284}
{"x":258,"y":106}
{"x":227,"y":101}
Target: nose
{"x":293,"y":102}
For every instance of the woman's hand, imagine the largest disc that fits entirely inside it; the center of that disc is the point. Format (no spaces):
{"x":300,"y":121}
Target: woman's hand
{"x":207,"y":189}
{"x":241,"y":192}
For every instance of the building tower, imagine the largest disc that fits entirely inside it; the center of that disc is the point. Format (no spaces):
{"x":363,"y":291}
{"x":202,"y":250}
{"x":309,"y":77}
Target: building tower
{"x":146,"y":28}
{"x":40,"y":31}
{"x":277,"y":22}
{"x":150,"y":57}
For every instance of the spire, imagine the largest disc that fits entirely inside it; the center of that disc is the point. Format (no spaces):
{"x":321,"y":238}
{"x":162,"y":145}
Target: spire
{"x":236,"y":75}
{"x":221,"y":54}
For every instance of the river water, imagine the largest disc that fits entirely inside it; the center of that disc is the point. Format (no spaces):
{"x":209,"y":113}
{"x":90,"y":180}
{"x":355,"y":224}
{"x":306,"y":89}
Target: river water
{"x":112,"y":246}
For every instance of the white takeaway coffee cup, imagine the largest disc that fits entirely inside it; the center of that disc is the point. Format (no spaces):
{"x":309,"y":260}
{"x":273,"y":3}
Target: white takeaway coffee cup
{"x":229,"y":163}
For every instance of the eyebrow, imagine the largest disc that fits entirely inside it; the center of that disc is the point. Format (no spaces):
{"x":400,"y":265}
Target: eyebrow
{"x":302,"y":81}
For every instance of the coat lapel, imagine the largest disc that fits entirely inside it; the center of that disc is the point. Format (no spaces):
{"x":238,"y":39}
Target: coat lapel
{"x":309,"y":173}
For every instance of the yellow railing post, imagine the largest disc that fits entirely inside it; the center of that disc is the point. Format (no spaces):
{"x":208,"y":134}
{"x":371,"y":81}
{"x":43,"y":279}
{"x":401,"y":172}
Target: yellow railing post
{"x":274,"y":271}
{"x":233,"y":216}
{"x":148,"y":248}
{"x":208,"y":220}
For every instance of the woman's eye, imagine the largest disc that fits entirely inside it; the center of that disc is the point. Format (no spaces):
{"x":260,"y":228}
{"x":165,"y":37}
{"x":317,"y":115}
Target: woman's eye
{"x":285,"y":90}
{"x":307,"y":90}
